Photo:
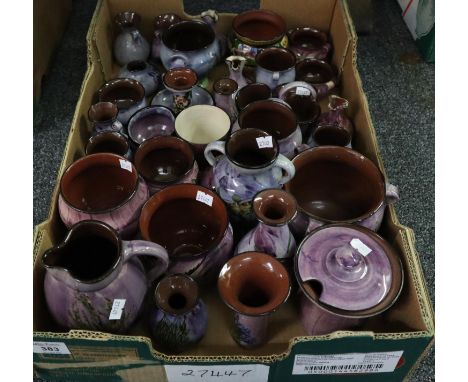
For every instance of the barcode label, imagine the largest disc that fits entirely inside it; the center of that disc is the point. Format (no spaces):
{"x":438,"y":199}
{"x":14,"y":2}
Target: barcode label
{"x":125,"y":164}
{"x":302,"y":91}
{"x":50,"y":348}
{"x":117,"y":309}
{"x":263,"y":142}
{"x":350,"y":363}
{"x":204,"y":198}
{"x":358,"y":245}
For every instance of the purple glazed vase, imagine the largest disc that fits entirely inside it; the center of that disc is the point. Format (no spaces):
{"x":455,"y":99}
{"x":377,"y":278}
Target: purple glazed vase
{"x":347,"y":273}
{"x":130,"y":45}
{"x":144,"y":73}
{"x":253,"y":285}
{"x":104,"y":187}
{"x":95,"y":281}
{"x":103,"y":116}
{"x":274,"y":209}
{"x":247,"y":167}
{"x":236,"y":66}
{"x":225,"y":90}
{"x":180,"y":318}
{"x":192,"y":223}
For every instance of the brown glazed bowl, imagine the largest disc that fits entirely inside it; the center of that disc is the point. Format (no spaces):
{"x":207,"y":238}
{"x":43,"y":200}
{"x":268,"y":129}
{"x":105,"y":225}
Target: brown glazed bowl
{"x":336,"y":184}
{"x":191,"y":222}
{"x":124,"y":92}
{"x":318,"y":73}
{"x":259,"y":27}
{"x":180,"y":79}
{"x":250,"y":93}
{"x":109,"y":142}
{"x":254,"y":284}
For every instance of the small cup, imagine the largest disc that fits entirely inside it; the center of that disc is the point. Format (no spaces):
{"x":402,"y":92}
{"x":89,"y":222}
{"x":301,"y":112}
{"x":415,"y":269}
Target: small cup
{"x":109,"y":142}
{"x":200,"y":125}
{"x":225,"y":90}
{"x":250,"y":93}
{"x":275,"y":66}
{"x":150,"y":122}
{"x":164,"y":161}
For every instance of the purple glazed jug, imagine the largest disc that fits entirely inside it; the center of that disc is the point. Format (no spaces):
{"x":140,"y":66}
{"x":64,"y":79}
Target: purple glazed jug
{"x":94,"y":280}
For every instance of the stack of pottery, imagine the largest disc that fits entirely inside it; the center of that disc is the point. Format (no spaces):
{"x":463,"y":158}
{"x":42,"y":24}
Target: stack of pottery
{"x":192,"y":178}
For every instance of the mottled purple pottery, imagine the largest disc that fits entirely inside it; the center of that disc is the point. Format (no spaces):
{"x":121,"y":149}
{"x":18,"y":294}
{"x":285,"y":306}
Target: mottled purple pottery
{"x":129,"y":45}
{"x":95,"y":281}
{"x":308,"y":42}
{"x":165,"y":161}
{"x":275,"y":66}
{"x":346,"y":273}
{"x":225,"y":90}
{"x":274,"y":209}
{"x":250,"y":93}
{"x":318,"y":73}
{"x":254,"y":285}
{"x":192,"y":223}
{"x":179,"y":318}
{"x":127,"y":94}
{"x":144,"y":73}
{"x":149,"y":122}
{"x":236,"y":66}
{"x":250,"y":162}
{"x":104,"y":187}
{"x":338,"y":185}
{"x":109,"y":142}
{"x":103,"y":116}
{"x":161,"y":23}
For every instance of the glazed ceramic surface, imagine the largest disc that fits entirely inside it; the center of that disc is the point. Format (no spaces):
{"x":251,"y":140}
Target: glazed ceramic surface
{"x":144,"y":73}
{"x":274,"y":209}
{"x":190,"y":44}
{"x":161,"y":23}
{"x":149,"y":122}
{"x":191,"y":222}
{"x":276,"y":118}
{"x":180,"y":318}
{"x":334,"y":127}
{"x":275,"y":66}
{"x":225,"y":90}
{"x":254,"y":30}
{"x":323,"y":174}
{"x":90,"y":270}
{"x":236,"y":66}
{"x":103,"y":116}
{"x":129,"y":44}
{"x":247,"y":167}
{"x":104,"y":187}
{"x":109,"y":142}
{"x":165,"y":161}
{"x":307,"y":42}
{"x":253,"y":285}
{"x":347,"y":271}
{"x":127,"y":94}
{"x":318,"y":73}
{"x":251,"y":93}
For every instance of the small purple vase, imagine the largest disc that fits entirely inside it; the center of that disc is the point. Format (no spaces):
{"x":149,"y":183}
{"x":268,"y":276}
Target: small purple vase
{"x":103,"y":116}
{"x":274,"y":209}
{"x":180,"y":318}
{"x":130,"y":45}
{"x":95,"y":281}
{"x":225,"y":90}
{"x":236,"y":66}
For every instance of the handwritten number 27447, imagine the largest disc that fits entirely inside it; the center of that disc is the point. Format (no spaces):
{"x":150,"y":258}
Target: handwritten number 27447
{"x":213,"y":373}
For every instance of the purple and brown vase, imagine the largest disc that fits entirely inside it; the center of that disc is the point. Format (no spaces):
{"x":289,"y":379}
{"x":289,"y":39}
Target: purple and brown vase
{"x":103,"y":116}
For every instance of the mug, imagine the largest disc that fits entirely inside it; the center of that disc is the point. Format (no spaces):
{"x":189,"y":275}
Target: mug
{"x":275,"y":66}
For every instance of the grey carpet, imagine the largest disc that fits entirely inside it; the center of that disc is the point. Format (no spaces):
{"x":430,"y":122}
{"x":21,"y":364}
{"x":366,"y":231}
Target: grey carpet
{"x":399,"y":87}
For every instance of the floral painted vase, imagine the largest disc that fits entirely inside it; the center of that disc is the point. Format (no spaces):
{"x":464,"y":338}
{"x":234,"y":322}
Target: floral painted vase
{"x":274,"y":209}
{"x":130,"y":45}
{"x":95,"y":281}
{"x":254,"y":285}
{"x":180,"y":318}
{"x":251,"y":162}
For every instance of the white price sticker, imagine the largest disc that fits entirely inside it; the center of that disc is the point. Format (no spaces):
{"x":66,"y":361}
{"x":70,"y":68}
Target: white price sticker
{"x":302,"y":91}
{"x":117,"y":309}
{"x":50,"y":348}
{"x":351,"y":363}
{"x":204,"y":198}
{"x":358,"y":245}
{"x":264,"y":142}
{"x":221,"y":373}
{"x":125,"y":164}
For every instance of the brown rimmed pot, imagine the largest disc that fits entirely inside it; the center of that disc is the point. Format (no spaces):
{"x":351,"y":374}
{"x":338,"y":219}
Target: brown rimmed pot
{"x":251,"y":93}
{"x":165,"y":161}
{"x":338,"y":185}
{"x":104,"y":187}
{"x":103,"y":116}
{"x":318,"y":73}
{"x":308,"y":42}
{"x":323,"y":245}
{"x":192,"y":223}
{"x":275,"y":66}
{"x":254,"y":285}
{"x":109,"y":142}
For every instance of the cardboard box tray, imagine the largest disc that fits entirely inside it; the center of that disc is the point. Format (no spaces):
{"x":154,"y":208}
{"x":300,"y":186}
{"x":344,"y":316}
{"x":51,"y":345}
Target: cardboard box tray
{"x":408,"y":326}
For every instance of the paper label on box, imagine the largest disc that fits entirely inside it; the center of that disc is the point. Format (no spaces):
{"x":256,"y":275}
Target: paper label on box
{"x":204,"y":198}
{"x":264,"y":142}
{"x":358,"y":245}
{"x":302,"y":91}
{"x":350,"y":363}
{"x":50,"y":347}
{"x":221,"y":373}
{"x":125,"y":164}
{"x":117,"y":309}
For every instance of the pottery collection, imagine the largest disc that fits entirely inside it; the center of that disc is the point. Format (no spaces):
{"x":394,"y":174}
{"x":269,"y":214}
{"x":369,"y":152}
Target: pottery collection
{"x":191,"y":177}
